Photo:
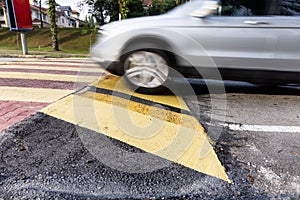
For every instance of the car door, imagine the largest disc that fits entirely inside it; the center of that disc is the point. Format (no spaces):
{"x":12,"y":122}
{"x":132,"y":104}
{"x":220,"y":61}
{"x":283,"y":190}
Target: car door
{"x":237,"y":42}
{"x":242,"y":43}
{"x":263,"y":43}
{"x":286,"y":31}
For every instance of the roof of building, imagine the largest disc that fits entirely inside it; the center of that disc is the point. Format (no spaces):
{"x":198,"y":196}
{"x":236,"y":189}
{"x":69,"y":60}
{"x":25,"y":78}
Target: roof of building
{"x":75,"y":12}
{"x":147,"y":2}
{"x":44,"y":10}
{"x":65,"y":8}
{"x":60,"y":13}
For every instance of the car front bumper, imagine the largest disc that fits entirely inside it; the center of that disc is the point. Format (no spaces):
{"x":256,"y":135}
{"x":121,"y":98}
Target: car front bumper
{"x":113,"y":67}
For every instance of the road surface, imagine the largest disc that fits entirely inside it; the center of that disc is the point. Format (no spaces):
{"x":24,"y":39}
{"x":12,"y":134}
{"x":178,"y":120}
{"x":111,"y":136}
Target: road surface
{"x":50,"y":154}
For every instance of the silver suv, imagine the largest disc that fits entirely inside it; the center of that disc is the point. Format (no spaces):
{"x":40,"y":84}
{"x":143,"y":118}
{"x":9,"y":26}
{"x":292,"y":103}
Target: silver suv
{"x":258,"y":42}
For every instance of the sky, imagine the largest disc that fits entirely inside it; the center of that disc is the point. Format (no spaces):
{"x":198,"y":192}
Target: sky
{"x":73,"y":4}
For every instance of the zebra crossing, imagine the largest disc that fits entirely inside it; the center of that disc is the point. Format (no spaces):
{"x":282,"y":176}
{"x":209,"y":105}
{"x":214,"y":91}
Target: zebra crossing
{"x":29,"y":85}
{"x":168,"y":131}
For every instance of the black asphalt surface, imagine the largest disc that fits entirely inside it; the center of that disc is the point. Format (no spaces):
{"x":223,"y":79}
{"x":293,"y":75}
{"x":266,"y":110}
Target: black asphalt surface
{"x":43,"y":157}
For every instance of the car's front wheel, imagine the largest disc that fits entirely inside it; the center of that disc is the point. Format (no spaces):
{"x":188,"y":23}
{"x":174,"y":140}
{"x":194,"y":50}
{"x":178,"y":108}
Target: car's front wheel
{"x":147,"y":70}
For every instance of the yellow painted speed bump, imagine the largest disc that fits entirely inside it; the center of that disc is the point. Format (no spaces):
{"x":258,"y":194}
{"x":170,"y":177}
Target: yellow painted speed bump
{"x":160,"y":125}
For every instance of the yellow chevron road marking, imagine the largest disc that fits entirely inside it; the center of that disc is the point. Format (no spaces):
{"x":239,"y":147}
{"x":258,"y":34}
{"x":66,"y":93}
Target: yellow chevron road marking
{"x":169,"y":140}
{"x":171,"y":135}
{"x":114,"y":83}
{"x":166,"y":115}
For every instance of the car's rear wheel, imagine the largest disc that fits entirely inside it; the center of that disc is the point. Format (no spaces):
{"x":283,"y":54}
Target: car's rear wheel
{"x":147,"y":70}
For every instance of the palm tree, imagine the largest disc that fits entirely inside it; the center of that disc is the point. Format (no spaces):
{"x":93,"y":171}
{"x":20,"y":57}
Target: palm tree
{"x":53,"y":26}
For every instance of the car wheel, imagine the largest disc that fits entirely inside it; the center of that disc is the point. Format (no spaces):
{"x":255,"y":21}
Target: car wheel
{"x":147,"y":71}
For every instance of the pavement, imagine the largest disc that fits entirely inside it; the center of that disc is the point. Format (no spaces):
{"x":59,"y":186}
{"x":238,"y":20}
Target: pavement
{"x":12,"y":112}
{"x":29,"y":85}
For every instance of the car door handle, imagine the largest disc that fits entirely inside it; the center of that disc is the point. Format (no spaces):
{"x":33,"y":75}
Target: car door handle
{"x":255,"y":22}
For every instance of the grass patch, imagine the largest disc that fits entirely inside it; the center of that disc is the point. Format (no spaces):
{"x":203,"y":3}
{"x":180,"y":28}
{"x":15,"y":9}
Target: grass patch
{"x":71,"y":40}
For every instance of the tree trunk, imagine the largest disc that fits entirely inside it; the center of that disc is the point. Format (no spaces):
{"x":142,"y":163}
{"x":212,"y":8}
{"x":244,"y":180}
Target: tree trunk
{"x":41,"y":17}
{"x":102,"y":16}
{"x":53,"y":27}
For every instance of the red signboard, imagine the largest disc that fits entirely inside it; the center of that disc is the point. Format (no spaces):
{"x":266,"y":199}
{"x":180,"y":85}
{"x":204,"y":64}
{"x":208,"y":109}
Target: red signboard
{"x":19,"y":15}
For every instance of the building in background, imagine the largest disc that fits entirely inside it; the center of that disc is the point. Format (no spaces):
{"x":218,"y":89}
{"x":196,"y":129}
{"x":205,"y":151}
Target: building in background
{"x":76,"y":15}
{"x":3,"y":16}
{"x":39,"y":16}
{"x":66,"y":17}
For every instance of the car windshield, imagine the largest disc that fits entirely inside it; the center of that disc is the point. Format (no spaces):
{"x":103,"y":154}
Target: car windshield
{"x":186,"y":8}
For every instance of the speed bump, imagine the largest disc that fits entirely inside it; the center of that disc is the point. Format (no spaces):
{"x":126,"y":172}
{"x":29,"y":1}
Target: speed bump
{"x":160,"y":125}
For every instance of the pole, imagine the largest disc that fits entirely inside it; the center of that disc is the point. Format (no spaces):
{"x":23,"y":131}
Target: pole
{"x":40,"y":10}
{"x":120,"y":9}
{"x":24,"y":43}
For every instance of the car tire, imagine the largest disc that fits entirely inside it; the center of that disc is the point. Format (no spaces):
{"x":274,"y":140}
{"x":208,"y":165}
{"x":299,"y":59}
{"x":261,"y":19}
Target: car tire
{"x":147,"y":70}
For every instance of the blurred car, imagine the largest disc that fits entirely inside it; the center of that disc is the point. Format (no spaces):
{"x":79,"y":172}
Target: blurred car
{"x":195,"y":39}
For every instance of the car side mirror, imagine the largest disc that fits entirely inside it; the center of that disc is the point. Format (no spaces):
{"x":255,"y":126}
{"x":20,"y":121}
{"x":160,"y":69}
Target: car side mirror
{"x":209,"y":7}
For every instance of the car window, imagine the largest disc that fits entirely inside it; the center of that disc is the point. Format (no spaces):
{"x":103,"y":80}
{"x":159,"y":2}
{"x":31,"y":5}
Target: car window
{"x":186,"y":8}
{"x":1,"y":11}
{"x":259,"y":7}
{"x":290,"y":7}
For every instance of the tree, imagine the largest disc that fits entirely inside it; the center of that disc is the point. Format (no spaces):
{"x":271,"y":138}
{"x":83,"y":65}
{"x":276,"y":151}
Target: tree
{"x":40,"y":10}
{"x":108,"y":10}
{"x":98,"y":10}
{"x":113,"y":9}
{"x":0,"y":8}
{"x":53,"y":26}
{"x":134,"y":8}
{"x":102,"y":10}
{"x":89,"y":22}
{"x":159,"y":7}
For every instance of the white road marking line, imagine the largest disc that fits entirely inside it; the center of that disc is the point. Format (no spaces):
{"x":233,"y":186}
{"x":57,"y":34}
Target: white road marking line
{"x":262,"y":128}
